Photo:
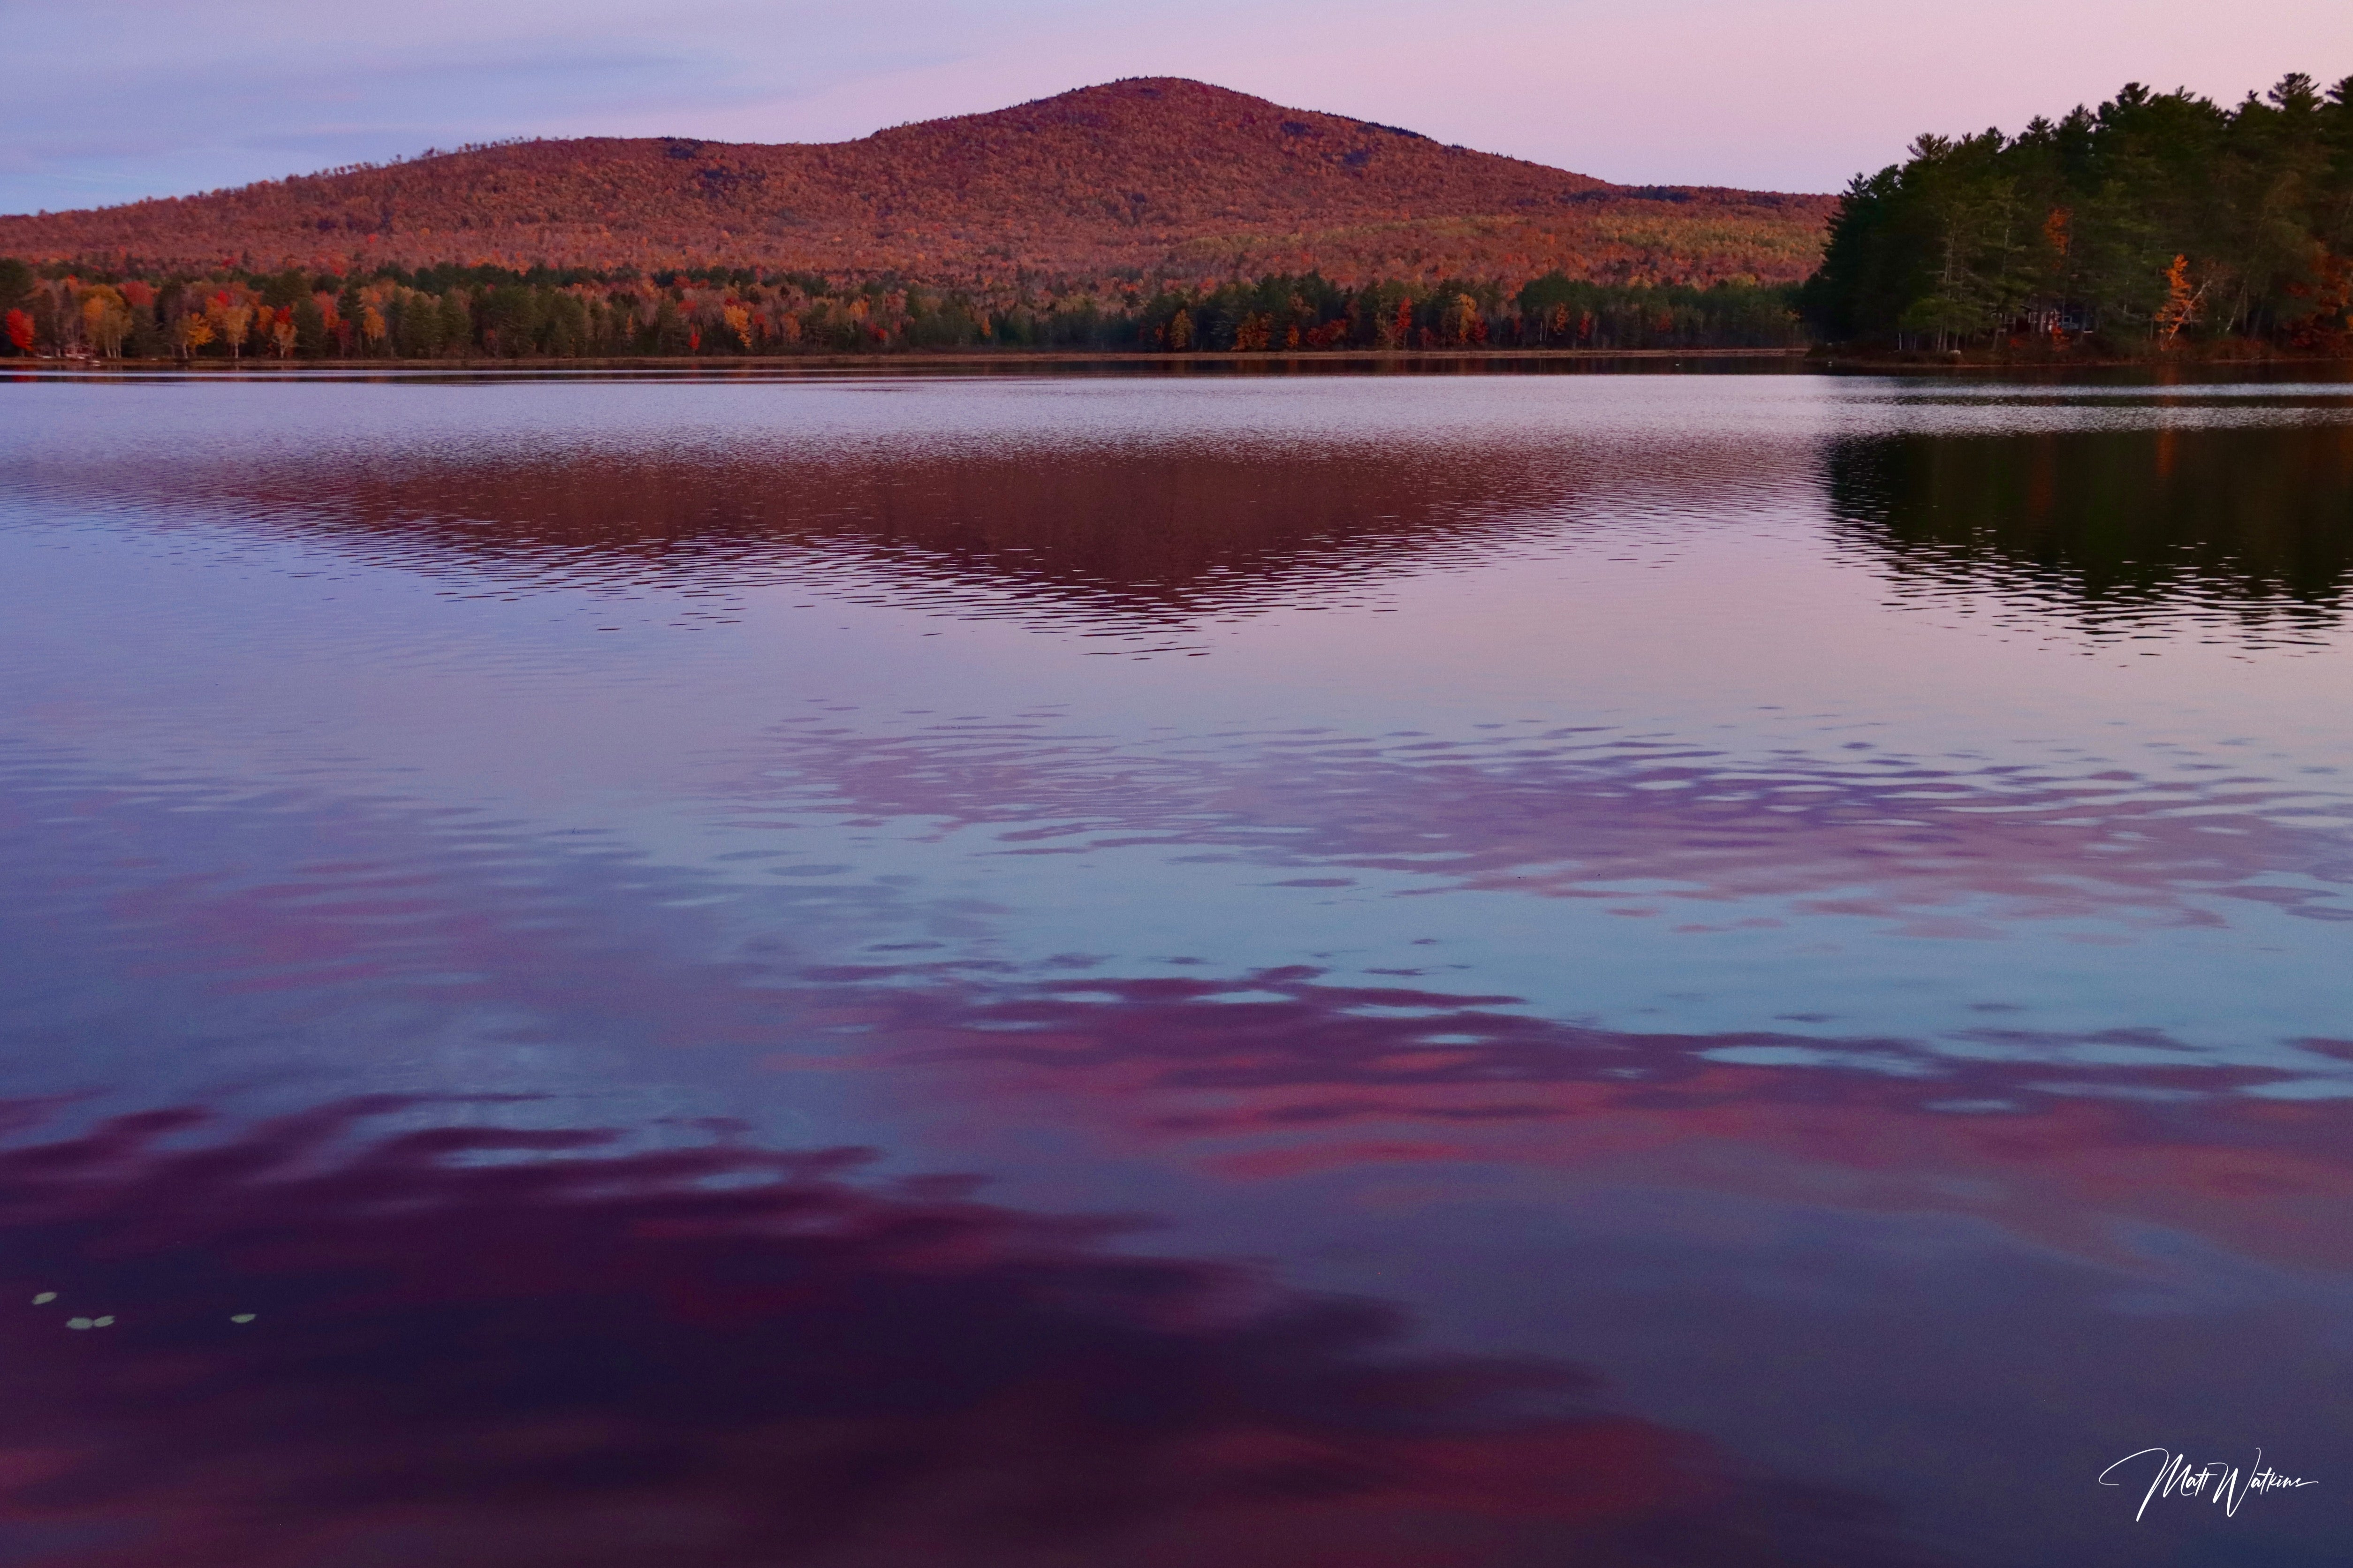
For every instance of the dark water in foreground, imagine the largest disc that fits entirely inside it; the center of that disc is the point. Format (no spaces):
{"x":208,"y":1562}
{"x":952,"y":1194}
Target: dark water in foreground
{"x":1604,"y":970}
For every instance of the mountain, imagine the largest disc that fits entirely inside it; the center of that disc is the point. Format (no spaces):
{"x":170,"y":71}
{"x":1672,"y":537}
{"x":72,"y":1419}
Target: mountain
{"x":1157,"y":176}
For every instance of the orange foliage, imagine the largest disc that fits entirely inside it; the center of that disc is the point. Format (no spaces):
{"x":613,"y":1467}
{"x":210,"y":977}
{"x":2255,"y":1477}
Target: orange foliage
{"x":2054,"y":230}
{"x":2182,"y":301}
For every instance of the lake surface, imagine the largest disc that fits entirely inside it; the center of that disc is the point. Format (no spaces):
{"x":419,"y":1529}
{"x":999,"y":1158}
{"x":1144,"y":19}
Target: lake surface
{"x":1740,"y":969}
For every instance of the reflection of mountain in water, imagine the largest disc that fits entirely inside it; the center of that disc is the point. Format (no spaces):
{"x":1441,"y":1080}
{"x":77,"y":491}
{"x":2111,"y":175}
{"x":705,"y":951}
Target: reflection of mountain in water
{"x":1145,"y":534}
{"x":1136,"y":535}
{"x":2255,"y":524}
{"x":2250,"y":526}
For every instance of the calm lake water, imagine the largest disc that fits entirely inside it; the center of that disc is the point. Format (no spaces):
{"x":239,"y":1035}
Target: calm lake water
{"x":1743,"y":969}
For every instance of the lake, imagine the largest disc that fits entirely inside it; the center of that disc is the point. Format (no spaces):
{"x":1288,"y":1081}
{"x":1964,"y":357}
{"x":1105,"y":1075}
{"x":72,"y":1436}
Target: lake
{"x":1641,"y":969}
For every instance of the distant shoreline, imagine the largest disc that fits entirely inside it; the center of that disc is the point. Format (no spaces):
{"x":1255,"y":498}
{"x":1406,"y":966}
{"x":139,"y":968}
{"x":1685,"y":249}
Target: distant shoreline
{"x":879,"y":361}
{"x":1014,"y":360}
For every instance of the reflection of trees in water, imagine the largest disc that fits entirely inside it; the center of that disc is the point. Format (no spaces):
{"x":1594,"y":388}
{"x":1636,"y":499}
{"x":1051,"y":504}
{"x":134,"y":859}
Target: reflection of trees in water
{"x":478,"y":1347}
{"x":2114,"y":526}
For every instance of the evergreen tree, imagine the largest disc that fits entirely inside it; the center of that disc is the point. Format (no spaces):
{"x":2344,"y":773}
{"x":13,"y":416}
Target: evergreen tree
{"x":456,"y":324}
{"x":2154,"y":217}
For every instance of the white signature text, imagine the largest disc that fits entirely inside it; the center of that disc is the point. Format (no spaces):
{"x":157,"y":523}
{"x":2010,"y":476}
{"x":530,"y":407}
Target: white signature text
{"x":2211,"y":1482}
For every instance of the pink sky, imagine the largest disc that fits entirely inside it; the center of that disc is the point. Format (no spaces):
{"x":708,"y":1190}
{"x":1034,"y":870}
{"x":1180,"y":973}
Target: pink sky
{"x":117,"y":99}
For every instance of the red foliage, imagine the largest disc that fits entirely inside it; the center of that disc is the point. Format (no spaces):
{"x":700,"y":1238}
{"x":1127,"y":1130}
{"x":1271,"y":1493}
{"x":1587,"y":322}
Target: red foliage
{"x":1160,"y":176}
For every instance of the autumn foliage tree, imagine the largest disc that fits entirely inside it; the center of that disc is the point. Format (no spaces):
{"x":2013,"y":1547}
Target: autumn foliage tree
{"x":231,"y":315}
{"x":106,"y":320}
{"x":15,"y":324}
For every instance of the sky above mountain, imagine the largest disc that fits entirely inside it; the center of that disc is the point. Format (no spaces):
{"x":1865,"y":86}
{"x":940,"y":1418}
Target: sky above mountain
{"x":112,"y":99}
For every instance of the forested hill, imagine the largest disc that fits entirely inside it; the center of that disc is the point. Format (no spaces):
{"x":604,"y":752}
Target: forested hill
{"x":1161,"y":177}
{"x":2154,"y":221}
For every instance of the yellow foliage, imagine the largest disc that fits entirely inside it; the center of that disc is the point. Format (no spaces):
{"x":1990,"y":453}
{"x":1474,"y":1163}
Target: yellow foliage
{"x":105,"y":319}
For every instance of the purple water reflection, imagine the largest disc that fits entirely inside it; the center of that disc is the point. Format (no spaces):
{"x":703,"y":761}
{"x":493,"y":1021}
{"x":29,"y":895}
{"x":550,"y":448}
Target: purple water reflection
{"x":500,"y":1345}
{"x":1647,"y":978}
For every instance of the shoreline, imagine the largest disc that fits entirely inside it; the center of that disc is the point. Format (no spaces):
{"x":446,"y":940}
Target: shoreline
{"x":1915,"y":360}
{"x":969,"y":358}
{"x":1812,"y":359}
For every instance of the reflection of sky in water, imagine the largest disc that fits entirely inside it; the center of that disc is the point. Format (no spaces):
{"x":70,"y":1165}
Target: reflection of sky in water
{"x":1486,"y":824}
{"x":1686,"y":781}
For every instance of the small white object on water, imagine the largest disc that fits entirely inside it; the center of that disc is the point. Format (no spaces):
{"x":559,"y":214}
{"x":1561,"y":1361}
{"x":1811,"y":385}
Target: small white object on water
{"x":241,"y":1317}
{"x":79,"y":1323}
{"x":102,"y":1323}
{"x":45,"y":1298}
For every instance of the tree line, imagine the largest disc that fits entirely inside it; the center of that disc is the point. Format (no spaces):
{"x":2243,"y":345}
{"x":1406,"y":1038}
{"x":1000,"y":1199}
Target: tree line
{"x":451,"y":312}
{"x":2156,"y":220}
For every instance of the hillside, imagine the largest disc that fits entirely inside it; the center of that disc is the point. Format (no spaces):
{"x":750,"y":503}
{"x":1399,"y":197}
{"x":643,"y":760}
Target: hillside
{"x":1159,"y":177}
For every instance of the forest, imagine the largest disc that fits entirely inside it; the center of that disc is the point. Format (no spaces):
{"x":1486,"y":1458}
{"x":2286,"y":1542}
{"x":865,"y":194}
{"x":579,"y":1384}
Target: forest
{"x":2156,"y":221}
{"x":451,"y":312}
